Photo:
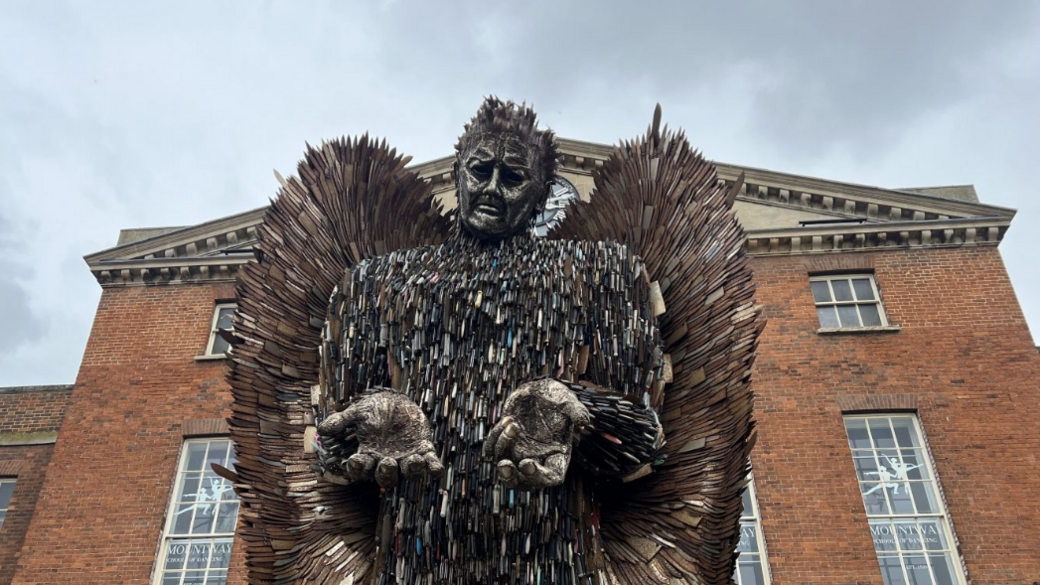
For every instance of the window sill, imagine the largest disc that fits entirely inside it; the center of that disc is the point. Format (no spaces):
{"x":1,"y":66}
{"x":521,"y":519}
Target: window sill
{"x":854,"y":330}
{"x":211,"y":358}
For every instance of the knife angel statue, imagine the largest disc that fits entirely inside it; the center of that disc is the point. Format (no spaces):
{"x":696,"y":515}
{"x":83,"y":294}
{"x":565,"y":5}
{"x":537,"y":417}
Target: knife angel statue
{"x":424,"y":397}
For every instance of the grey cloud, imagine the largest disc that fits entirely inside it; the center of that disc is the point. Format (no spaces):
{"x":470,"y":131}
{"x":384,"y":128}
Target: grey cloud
{"x":18,"y":323}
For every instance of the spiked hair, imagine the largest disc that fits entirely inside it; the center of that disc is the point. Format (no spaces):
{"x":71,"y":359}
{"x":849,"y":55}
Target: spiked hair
{"x":496,"y":116}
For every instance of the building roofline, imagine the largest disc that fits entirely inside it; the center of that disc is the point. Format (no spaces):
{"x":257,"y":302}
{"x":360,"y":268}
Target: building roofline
{"x":31,"y":389}
{"x":215,"y":249}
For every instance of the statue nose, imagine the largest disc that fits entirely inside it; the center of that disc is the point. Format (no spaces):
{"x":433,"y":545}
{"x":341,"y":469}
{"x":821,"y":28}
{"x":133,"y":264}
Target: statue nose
{"x":495,"y":182}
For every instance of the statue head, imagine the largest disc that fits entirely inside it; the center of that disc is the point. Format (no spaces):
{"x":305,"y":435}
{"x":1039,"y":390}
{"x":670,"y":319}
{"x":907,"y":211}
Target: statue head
{"x":504,"y":169}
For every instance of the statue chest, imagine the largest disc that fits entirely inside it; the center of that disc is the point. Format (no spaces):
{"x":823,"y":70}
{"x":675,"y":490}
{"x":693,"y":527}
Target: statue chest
{"x":471,"y":322}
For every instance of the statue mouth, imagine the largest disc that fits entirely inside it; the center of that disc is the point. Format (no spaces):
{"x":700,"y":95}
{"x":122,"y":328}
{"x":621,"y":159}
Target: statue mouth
{"x":488,"y":206}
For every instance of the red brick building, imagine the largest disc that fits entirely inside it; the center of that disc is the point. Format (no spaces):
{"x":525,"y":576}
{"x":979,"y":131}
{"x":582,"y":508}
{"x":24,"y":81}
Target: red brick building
{"x":897,"y":391}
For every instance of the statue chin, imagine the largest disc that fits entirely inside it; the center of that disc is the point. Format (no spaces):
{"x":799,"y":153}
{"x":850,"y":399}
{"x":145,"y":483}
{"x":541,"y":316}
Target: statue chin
{"x":488,"y":226}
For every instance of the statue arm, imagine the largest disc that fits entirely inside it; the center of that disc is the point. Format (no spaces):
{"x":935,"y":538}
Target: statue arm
{"x":606,"y":414}
{"x":366,"y":430}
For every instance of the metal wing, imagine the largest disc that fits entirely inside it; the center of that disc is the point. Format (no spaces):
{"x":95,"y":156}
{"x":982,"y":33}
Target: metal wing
{"x":352,"y":199}
{"x":664,"y":200}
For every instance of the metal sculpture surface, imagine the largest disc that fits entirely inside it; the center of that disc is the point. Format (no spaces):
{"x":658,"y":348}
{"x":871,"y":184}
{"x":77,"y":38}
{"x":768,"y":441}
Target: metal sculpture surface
{"x":428,"y":398}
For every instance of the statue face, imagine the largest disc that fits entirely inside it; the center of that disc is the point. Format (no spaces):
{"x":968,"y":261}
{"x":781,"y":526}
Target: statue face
{"x":500,"y":187}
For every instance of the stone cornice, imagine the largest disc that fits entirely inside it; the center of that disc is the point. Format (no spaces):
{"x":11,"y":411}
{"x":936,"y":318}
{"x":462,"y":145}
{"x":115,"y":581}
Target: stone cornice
{"x":831,"y":238}
{"x":170,"y":270}
{"x":212,"y":237}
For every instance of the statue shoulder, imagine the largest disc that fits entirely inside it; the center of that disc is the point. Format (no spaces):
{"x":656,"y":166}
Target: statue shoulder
{"x":613,"y":252}
{"x":390,"y":260}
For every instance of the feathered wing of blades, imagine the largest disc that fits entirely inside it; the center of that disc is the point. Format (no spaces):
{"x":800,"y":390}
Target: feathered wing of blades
{"x":352,"y":199}
{"x":662,"y":198}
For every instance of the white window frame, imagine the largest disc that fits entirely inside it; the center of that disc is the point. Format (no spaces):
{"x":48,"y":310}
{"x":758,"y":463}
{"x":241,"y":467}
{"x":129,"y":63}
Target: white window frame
{"x":754,"y":518}
{"x":214,"y":331}
{"x":13,"y":482}
{"x":829,"y":278}
{"x":930,"y":478}
{"x":168,"y":535}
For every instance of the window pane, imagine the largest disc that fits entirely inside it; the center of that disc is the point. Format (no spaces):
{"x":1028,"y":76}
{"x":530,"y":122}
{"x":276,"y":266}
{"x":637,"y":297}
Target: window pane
{"x":196,"y":455}
{"x":175,"y":554}
{"x":171,"y":579}
{"x":932,"y":534}
{"x":828,"y":318}
{"x":751,"y":574}
{"x":204,"y":517}
{"x":871,"y":316}
{"x":821,"y":292}
{"x":864,"y":292}
{"x":217,"y":579}
{"x":942,"y":566}
{"x":881,"y":433}
{"x":194,"y":578}
{"x":224,"y":320}
{"x":198,"y":554}
{"x":891,"y":570}
{"x":848,"y":315}
{"x":226,"y":517}
{"x":917,"y":570}
{"x":882,"y":533}
{"x":924,"y":497}
{"x":899,"y":496}
{"x":3,"y":514}
{"x":189,"y":491}
{"x":857,"y":431}
{"x":906,"y":434}
{"x":217,"y":454}
{"x":6,"y":490}
{"x":908,"y":536}
{"x":874,"y":498}
{"x":220,"y":345}
{"x":842,"y":290}
{"x":745,"y":503}
{"x":748,"y":537}
{"x":866,"y":466}
{"x":182,"y":519}
{"x":913,"y":466}
{"x":221,"y":554}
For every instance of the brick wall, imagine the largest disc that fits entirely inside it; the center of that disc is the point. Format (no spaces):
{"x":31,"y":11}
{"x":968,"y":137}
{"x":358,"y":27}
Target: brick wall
{"x":25,"y":413}
{"x":32,"y":409}
{"x":963,"y":359}
{"x":102,"y":510}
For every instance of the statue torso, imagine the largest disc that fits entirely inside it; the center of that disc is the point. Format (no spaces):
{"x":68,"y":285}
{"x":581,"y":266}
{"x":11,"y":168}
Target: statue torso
{"x":457,"y":329}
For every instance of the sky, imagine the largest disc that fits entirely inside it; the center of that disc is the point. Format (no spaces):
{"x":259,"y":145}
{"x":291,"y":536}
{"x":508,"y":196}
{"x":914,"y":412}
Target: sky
{"x":131,"y":114}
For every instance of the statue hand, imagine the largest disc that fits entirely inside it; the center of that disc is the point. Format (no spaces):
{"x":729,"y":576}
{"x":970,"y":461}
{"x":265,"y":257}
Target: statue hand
{"x":533,"y":440}
{"x":393,"y":437}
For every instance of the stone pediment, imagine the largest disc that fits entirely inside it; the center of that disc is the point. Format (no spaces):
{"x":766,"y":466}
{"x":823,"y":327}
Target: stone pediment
{"x":783,"y":214}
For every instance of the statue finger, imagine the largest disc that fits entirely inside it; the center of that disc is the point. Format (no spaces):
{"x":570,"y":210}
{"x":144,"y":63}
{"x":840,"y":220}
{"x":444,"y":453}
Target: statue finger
{"x":493,"y":437}
{"x":413,"y":466}
{"x":578,"y":414}
{"x":537,"y":475}
{"x":508,"y":474}
{"x":333,"y":424}
{"x":504,"y":445}
{"x":433,"y":464}
{"x":386,"y":472}
{"x":360,"y":467}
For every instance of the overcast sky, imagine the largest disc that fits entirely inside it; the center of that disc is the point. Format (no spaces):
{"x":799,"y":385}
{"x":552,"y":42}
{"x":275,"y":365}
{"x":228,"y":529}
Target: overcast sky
{"x":130,"y":114}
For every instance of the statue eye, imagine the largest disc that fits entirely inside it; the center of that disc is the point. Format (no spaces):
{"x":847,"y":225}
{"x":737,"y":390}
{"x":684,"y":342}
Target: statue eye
{"x":482,"y":171}
{"x":511,"y":178}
